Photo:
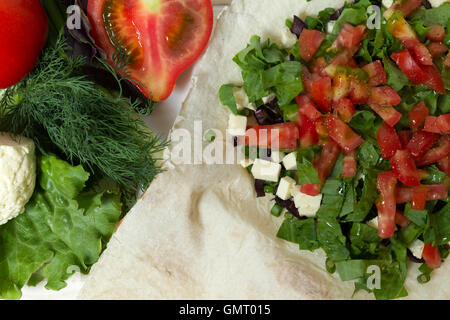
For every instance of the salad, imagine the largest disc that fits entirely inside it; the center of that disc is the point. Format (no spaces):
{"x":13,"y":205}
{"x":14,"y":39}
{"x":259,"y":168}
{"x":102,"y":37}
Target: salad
{"x":346,"y":127}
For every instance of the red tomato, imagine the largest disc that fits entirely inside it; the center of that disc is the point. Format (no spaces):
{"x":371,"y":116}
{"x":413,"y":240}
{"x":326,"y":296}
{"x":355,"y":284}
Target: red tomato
{"x":344,"y":58}
{"x":345,"y":109}
{"x":435,"y":192}
{"x":359,"y":91}
{"x":404,"y":136}
{"x":322,"y":93}
{"x":437,"y":153}
{"x":376,"y":73}
{"x":310,"y":189}
{"x":443,"y":123}
{"x":432,"y":256}
{"x":162,"y":38}
{"x":303,"y":99}
{"x":420,"y":143}
{"x":437,"y":49}
{"x":328,"y":157}
{"x":447,"y":60}
{"x":405,"y":169}
{"x":444,"y":165}
{"x":309,"y":42}
{"x":278,"y":136}
{"x":307,"y":131}
{"x":321,"y":128}
{"x":388,"y":114}
{"x":310,"y":111}
{"x":422,"y":54}
{"x":401,"y":220}
{"x":436,"y":33}
{"x":431,"y":125}
{"x":406,"y":6}
{"x":350,"y":36}
{"x":318,"y":65}
{"x":341,"y":86}
{"x":384,"y":96}
{"x":417,"y":116}
{"x":386,"y":204}
{"x":388,"y":141}
{"x":349,"y":165}
{"x":23,"y":33}
{"x":434,"y":80}
{"x":419,"y":199}
{"x":342,"y":134}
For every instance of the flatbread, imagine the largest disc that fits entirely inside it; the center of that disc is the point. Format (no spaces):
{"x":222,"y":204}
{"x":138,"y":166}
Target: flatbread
{"x":199,"y":232}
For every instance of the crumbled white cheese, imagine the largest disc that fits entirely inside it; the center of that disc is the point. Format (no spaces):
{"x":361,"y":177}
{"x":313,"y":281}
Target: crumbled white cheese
{"x":307,"y":205}
{"x":266,"y":170}
{"x":290,"y":161}
{"x":277,"y":156}
{"x":284,"y":188}
{"x":330,"y":26}
{"x":241,"y":98}
{"x":373,"y":223}
{"x":17,"y":175}
{"x":387,"y":3}
{"x":288,"y":39}
{"x":438,"y":3}
{"x":245,"y":163}
{"x":237,"y":125}
{"x":269,"y":98}
{"x":416,"y":248}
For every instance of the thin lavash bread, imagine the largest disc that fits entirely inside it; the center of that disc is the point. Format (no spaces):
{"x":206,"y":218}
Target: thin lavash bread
{"x":199,"y":232}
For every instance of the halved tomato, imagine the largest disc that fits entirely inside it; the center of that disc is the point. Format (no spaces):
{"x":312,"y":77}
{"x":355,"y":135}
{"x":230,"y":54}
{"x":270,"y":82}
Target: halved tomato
{"x":160,"y":38}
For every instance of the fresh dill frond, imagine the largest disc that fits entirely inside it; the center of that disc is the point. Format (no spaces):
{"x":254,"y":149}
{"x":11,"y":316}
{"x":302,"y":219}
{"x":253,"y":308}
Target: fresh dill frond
{"x":57,"y":106}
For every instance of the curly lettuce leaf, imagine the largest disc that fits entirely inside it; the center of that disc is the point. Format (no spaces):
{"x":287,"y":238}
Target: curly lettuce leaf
{"x":63,"y":226}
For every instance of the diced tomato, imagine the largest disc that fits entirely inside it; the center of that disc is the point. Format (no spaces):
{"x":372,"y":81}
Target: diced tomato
{"x":422,"y":54}
{"x":388,"y":141}
{"x":419,"y":200}
{"x":432,"y":256}
{"x":318,"y":65}
{"x":447,"y":60}
{"x":436,"y":33}
{"x":309,"y":43}
{"x":307,"y":131}
{"x":350,"y":36}
{"x":401,"y":220}
{"x":310,"y":111}
{"x":386,"y":204}
{"x":444,"y":165}
{"x":321,"y":128}
{"x":437,"y":49}
{"x":282,"y":135}
{"x":420,"y":143}
{"x":434,"y":80}
{"x":404,"y":136}
{"x":342,"y":59}
{"x":322,"y":93}
{"x":349,"y":165}
{"x":405,"y":6}
{"x":376,"y":73}
{"x":417,"y":115}
{"x":303,"y":99}
{"x":388,"y":114}
{"x":443,"y":123}
{"x":342,"y":134}
{"x":359,"y":91}
{"x":431,"y":125}
{"x":384,"y":96}
{"x":310,"y":189}
{"x":328,"y":157}
{"x":405,"y":169}
{"x":341,"y":86}
{"x":435,"y":192}
{"x":437,"y":153}
{"x":345,"y":109}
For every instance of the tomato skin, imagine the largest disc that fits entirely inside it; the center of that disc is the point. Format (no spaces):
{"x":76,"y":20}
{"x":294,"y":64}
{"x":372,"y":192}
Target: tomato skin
{"x":310,"y":189}
{"x":322,"y":93}
{"x":388,"y":141}
{"x":435,"y":192}
{"x":376,"y":73}
{"x":417,"y":116}
{"x":23,"y":34}
{"x":171,"y":34}
{"x":420,"y":143}
{"x":432,"y":256}
{"x":328,"y":157}
{"x":405,"y":169}
{"x":342,"y":134}
{"x":436,"y":33}
{"x":437,"y":153}
{"x":267,"y":137}
{"x":345,"y":109}
{"x":386,"y":204}
{"x":437,"y":49}
{"x":309,"y":43}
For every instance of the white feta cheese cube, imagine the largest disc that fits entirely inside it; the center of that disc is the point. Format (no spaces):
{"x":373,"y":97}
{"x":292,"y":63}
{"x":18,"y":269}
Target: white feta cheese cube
{"x":284,"y":188}
{"x":438,"y":3}
{"x":245,"y":163}
{"x":288,"y":39}
{"x":290,"y":161}
{"x":237,"y":125}
{"x":373,"y":223}
{"x":269,"y":98}
{"x":241,"y":98}
{"x":266,"y":170}
{"x":277,"y":156}
{"x":330,"y":26}
{"x":416,"y":248}
{"x":387,"y":3}
{"x":307,"y":205}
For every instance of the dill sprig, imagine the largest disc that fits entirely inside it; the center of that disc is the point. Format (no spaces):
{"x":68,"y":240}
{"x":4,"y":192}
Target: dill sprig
{"x":57,"y":106}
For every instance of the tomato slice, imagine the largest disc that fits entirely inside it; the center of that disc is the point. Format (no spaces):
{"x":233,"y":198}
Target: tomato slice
{"x":342,"y":134}
{"x":307,"y":131}
{"x":310,"y":189}
{"x":436,"y":33}
{"x":161,"y":38}
{"x":322,"y":93}
{"x":405,"y":169}
{"x":309,"y":42}
{"x":417,"y":116}
{"x":328,"y":157}
{"x":376,"y":73}
{"x":278,"y":136}
{"x":432,"y":256}
{"x":350,"y":36}
{"x":420,"y":143}
{"x":435,"y":192}
{"x":386,"y":204}
{"x":344,"y":109}
{"x":437,"y":153}
{"x":349,"y":165}
{"x":388,"y":141}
